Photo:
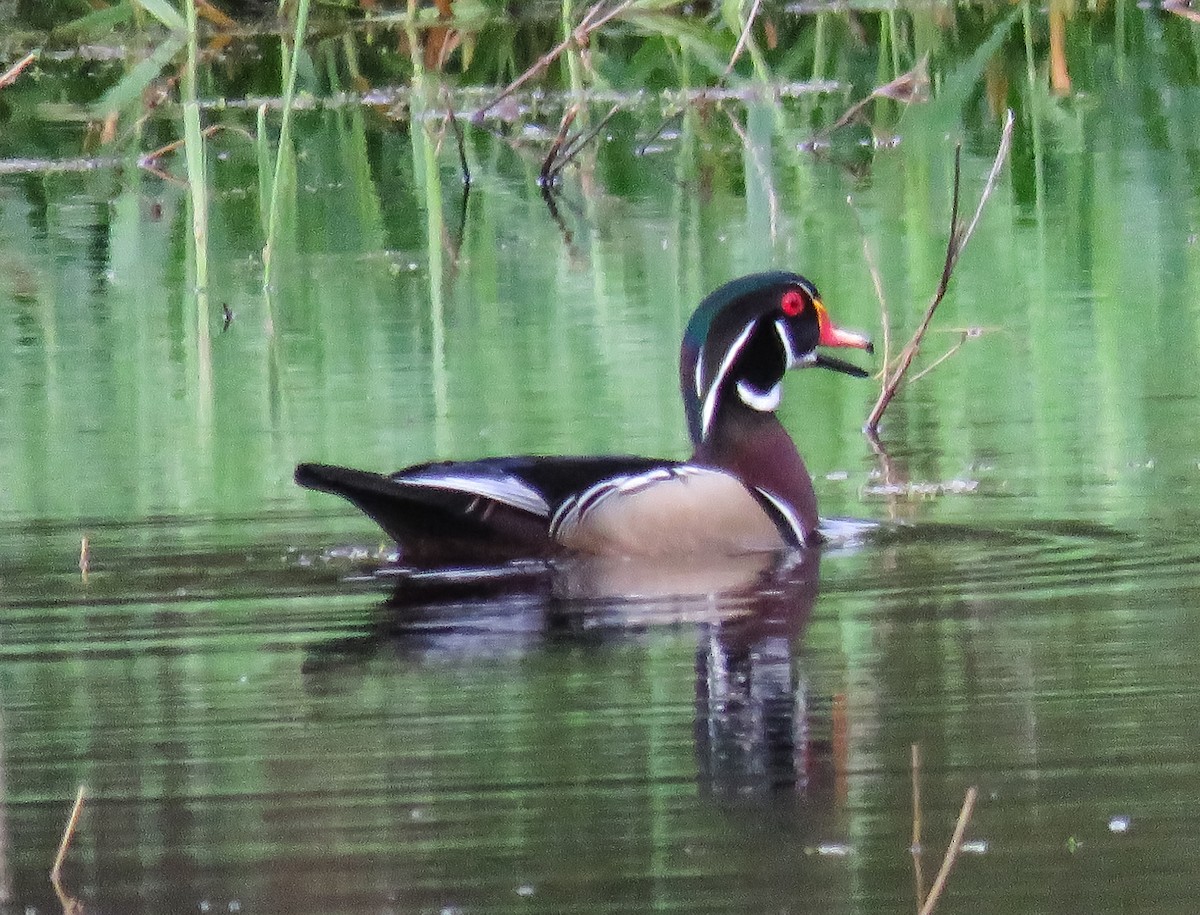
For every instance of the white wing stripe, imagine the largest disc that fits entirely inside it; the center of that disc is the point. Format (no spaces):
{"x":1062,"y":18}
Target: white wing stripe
{"x":508,"y":490}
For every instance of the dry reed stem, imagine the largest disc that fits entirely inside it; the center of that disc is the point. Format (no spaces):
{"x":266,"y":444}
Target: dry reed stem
{"x":915,"y":848}
{"x":963,"y":336}
{"x":145,"y":161}
{"x":206,"y":10}
{"x":564,"y":127}
{"x":959,"y":236}
{"x":458,"y":137}
{"x":591,"y":21}
{"x":85,"y":557}
{"x":742,"y":39}
{"x":575,"y":147}
{"x":943,"y":874}
{"x":907,"y":87}
{"x":69,"y":903}
{"x":9,"y":76}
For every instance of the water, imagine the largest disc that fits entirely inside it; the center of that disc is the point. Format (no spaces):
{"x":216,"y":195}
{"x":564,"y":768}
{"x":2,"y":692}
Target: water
{"x":260,"y":729}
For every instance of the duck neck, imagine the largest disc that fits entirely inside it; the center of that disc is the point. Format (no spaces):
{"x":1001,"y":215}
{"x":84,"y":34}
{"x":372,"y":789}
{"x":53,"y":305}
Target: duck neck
{"x":754,"y":446}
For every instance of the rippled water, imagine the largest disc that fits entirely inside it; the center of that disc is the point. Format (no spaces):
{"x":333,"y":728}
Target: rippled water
{"x":260,"y":731}
{"x":269,"y":715}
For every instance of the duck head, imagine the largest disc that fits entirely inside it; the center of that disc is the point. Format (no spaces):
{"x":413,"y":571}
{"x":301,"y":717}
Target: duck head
{"x":744,"y":337}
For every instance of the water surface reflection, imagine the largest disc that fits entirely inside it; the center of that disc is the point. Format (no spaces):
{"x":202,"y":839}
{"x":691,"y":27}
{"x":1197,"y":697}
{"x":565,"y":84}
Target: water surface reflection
{"x":261,"y":729}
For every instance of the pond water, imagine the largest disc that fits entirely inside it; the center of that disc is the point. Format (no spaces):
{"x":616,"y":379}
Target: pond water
{"x":261,"y":730}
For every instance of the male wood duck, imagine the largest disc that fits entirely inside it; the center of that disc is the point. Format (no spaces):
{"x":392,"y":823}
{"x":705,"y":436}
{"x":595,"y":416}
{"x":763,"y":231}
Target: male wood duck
{"x":744,"y":490}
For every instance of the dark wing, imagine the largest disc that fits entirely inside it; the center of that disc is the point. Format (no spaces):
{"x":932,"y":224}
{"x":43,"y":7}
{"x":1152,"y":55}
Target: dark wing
{"x":488,"y":510}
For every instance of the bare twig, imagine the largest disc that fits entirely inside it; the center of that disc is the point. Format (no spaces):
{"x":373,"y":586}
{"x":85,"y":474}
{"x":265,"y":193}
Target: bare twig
{"x":69,"y":903}
{"x":147,"y":160}
{"x":915,"y":848}
{"x":912,"y":86}
{"x":658,"y":132}
{"x":564,"y":127}
{"x":9,"y":76}
{"x":742,"y":39}
{"x":963,"y":335}
{"x":959,"y":236}
{"x":575,"y":147}
{"x":85,"y":557}
{"x":552,"y":206}
{"x":458,"y":137}
{"x":591,"y":21}
{"x":943,"y":874}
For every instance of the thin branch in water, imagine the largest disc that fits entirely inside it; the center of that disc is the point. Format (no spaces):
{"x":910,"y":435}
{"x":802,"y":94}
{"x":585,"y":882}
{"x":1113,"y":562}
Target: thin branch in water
{"x":575,"y":147}
{"x":147,"y":160}
{"x":658,"y":132}
{"x":69,"y":903}
{"x":458,"y":137}
{"x":591,"y":21}
{"x":963,"y":336}
{"x":943,"y":874}
{"x":909,"y":87}
{"x":959,"y":236}
{"x":915,"y":848}
{"x":552,"y":206}
{"x":568,"y":118}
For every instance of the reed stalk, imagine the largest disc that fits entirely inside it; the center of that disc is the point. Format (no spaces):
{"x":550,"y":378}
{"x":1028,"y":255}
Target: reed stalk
{"x":291,"y":63}
{"x":197,"y":179}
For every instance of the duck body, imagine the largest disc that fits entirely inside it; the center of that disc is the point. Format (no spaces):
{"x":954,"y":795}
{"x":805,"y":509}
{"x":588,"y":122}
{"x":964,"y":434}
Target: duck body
{"x":744,"y":490}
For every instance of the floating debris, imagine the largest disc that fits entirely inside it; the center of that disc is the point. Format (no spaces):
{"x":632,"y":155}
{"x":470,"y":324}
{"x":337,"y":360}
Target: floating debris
{"x":922,"y":490}
{"x":830,"y":849}
{"x":1119,"y":825}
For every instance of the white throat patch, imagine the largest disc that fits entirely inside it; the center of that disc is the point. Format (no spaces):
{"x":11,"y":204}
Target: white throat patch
{"x":764,"y":401}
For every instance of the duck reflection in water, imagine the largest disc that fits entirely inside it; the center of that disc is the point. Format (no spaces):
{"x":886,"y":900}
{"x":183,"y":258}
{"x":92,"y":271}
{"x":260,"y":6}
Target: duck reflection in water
{"x":752,"y":728}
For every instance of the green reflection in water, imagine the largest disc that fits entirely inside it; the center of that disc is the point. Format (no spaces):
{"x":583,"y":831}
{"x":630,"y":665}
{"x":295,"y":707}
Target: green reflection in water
{"x":257,"y":730}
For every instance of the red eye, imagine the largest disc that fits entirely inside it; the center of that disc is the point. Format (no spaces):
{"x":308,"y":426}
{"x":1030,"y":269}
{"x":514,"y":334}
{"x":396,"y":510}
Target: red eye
{"x":794,"y":302}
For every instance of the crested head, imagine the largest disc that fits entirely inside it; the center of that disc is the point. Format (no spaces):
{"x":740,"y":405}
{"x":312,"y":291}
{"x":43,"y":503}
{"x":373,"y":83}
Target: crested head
{"x":743,"y":338}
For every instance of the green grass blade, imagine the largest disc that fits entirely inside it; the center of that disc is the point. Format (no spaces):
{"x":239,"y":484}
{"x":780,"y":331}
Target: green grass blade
{"x":98,"y":22}
{"x":166,"y":14}
{"x":285,"y":139}
{"x":134,"y":83}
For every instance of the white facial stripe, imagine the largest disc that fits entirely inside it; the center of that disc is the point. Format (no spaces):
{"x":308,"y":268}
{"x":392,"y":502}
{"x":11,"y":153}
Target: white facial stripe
{"x":790,"y":355}
{"x":710,"y":402}
{"x":700,"y":372}
{"x":763,"y":401}
{"x":505,"y":489}
{"x":786,"y":511}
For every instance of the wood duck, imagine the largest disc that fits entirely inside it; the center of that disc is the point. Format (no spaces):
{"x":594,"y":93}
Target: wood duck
{"x":745,"y":489}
